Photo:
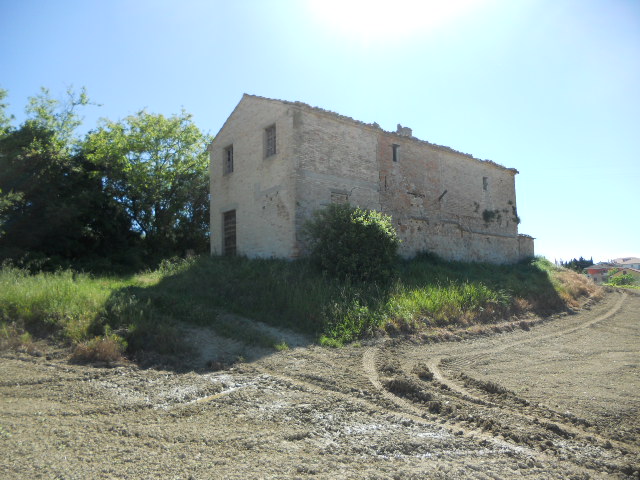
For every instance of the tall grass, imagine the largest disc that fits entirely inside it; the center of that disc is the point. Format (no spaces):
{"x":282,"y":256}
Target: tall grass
{"x":64,"y":303}
{"x":148,"y":309}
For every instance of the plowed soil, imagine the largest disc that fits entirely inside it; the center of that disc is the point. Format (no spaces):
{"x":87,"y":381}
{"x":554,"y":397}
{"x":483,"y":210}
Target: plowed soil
{"x":557,"y":400}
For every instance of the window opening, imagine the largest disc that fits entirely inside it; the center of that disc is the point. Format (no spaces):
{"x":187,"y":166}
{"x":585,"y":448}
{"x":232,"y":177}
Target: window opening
{"x":229,"y":232}
{"x":337,"y":197}
{"x":485,"y":183}
{"x":396,"y":151}
{"x":271,"y":141}
{"x":228,"y":159}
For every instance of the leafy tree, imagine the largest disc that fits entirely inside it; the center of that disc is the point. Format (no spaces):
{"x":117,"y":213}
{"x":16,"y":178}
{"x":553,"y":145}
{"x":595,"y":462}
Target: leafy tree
{"x":156,"y":168}
{"x":52,"y":204}
{"x":348,"y":242}
{"x":5,"y":120}
{"x":577,"y":264}
{"x":59,"y":119}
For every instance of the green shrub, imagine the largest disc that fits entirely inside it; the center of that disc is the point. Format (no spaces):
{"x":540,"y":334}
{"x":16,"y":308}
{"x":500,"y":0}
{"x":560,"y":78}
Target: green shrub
{"x":620,"y":280}
{"x":349,"y":242}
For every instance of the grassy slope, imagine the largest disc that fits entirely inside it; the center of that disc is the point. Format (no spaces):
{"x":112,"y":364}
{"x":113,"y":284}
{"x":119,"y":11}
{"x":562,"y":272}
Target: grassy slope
{"x":147,"y":309}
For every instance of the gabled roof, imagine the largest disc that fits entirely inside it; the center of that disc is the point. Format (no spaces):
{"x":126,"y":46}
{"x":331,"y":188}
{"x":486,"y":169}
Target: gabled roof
{"x":370,"y":126}
{"x":626,"y":260}
{"x":627,"y":269}
{"x":600,"y":266}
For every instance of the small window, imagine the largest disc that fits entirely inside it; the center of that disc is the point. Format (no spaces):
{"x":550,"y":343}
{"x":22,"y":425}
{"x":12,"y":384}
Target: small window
{"x":337,"y":197}
{"x":396,"y":151}
{"x":270,"y":141}
{"x":228,"y":160}
{"x":229,"y":232}
{"x":485,"y":183}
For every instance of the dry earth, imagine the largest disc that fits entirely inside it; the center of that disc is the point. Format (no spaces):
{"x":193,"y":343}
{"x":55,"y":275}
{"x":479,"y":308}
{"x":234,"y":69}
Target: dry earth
{"x":559,"y":400}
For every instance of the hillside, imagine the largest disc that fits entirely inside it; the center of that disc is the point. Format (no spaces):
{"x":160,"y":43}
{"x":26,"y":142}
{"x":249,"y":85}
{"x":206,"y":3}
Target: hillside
{"x":148,"y":312}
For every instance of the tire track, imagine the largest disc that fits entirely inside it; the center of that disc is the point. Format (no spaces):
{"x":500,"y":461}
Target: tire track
{"x":407,"y":410}
{"x":434,"y":363}
{"x":521,"y":415}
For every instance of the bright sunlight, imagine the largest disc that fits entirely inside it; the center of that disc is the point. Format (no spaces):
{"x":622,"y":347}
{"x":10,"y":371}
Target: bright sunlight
{"x":384,"y":21}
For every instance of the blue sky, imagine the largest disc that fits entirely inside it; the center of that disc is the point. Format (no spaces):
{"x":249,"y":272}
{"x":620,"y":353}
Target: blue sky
{"x":549,"y":87}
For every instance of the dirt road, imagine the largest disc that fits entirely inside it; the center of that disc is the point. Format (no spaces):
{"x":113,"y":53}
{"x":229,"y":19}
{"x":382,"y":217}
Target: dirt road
{"x":559,"y":400}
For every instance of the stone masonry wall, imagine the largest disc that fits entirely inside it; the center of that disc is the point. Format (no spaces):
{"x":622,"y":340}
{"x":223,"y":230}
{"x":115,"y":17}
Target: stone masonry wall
{"x":446,"y":202}
{"x":336,"y":161}
{"x":440,"y":200}
{"x":260,"y":189}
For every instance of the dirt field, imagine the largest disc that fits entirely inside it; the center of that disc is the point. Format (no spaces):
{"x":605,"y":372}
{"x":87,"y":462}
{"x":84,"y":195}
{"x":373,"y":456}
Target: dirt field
{"x":558,"y":400}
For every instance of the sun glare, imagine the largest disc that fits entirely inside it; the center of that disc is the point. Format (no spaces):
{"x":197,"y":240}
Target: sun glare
{"x":385,"y":21}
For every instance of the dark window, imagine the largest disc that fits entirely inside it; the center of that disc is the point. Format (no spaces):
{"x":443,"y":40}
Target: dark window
{"x":229,"y":232}
{"x":228,"y":159}
{"x":396,"y":152}
{"x":337,"y":197}
{"x":485,"y":183}
{"x":271,"y":141}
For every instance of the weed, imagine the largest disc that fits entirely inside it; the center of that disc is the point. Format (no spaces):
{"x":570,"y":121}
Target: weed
{"x":348,"y":242}
{"x":407,"y":388}
{"x":487,"y":386}
{"x":13,"y":338}
{"x":391,"y":368}
{"x":107,"y":349}
{"x":423,"y":372}
{"x":329,"y":342}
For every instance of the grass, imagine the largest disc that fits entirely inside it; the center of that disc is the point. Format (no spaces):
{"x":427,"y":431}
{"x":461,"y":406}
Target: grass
{"x":63,"y":303}
{"x":146,"y":310}
{"x":107,"y":349}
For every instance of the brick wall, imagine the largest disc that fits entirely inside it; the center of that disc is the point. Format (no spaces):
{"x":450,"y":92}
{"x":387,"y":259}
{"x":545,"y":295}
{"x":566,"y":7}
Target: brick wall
{"x":260,"y":189}
{"x":440,"y":200}
{"x":333,"y":157}
{"x":447,"y":202}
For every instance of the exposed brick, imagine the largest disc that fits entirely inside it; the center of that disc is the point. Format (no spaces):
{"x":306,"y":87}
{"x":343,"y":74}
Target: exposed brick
{"x":440,"y":200}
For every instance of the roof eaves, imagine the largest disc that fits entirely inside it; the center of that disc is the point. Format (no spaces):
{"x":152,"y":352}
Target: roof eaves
{"x":375,"y":126}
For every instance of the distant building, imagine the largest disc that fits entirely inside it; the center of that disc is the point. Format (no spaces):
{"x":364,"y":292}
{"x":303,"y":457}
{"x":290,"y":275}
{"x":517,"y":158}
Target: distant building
{"x":274,"y":163}
{"x":634,"y":272}
{"x":628,"y":262}
{"x":599,"y":272}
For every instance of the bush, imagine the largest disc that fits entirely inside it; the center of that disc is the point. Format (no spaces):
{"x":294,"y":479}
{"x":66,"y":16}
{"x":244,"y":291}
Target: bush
{"x":350,"y":243}
{"x":621,"y":280}
{"x":107,"y":349}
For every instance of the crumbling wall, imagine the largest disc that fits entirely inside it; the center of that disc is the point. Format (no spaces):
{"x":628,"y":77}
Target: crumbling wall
{"x":440,"y":200}
{"x":446,"y":202}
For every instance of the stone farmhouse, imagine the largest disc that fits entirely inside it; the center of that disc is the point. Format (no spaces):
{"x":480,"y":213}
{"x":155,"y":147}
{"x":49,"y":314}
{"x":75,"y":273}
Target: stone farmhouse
{"x":275,"y":162}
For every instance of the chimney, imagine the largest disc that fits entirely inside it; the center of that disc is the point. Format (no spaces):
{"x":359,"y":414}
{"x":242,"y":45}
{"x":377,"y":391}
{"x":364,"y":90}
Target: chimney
{"x":404,"y":131}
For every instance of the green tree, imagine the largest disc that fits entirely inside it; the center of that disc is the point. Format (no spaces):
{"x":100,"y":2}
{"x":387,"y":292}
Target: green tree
{"x":577,"y":264}
{"x":5,"y":120}
{"x":156,"y":168}
{"x":52,"y":204}
{"x":349,"y":242}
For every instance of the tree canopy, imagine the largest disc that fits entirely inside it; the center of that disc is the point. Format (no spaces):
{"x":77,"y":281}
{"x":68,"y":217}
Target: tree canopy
{"x":130,"y":192}
{"x":52,"y":205}
{"x":157,"y":171}
{"x":577,"y":264}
